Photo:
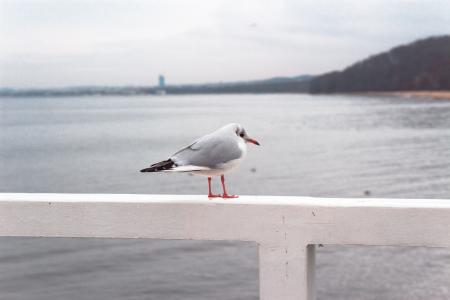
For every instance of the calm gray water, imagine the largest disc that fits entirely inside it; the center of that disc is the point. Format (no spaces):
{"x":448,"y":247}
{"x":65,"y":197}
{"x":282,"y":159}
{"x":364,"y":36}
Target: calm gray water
{"x":332,"y":146}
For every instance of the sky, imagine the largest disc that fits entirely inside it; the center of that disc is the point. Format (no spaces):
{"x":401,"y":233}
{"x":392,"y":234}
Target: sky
{"x":56,"y":43}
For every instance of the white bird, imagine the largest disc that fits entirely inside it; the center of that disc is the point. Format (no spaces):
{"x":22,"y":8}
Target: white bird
{"x":214,"y":154}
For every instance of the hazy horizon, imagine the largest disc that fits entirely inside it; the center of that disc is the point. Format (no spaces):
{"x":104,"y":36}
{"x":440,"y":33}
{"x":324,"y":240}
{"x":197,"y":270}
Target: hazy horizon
{"x":128,"y":43}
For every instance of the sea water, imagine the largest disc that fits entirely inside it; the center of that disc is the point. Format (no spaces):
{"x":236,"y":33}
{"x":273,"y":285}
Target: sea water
{"x":327,"y":146}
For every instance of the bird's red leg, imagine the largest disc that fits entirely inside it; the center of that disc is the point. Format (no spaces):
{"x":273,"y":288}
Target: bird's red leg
{"x":225,"y":195}
{"x":211,"y":195}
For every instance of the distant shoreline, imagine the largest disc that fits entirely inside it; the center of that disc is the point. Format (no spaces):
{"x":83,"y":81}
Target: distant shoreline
{"x":441,"y":95}
{"x":207,"y":90}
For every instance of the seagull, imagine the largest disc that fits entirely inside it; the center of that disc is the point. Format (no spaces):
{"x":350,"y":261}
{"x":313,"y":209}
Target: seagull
{"x":213,"y":154}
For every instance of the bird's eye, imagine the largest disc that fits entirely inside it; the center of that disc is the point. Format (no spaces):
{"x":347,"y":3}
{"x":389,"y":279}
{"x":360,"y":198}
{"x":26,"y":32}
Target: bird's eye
{"x":241,"y":135}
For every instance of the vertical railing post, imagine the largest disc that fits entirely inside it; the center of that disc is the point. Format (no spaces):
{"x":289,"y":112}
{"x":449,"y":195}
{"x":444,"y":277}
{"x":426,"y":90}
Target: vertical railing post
{"x":286,"y":273}
{"x":311,"y":272}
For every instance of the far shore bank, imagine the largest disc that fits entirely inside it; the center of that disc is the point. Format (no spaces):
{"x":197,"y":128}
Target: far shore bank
{"x":443,"y":95}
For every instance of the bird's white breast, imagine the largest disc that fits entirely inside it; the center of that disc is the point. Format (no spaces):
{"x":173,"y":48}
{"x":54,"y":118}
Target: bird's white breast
{"x":228,"y":166}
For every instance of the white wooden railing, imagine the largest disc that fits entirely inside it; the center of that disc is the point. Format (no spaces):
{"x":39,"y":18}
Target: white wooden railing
{"x":285,"y":228}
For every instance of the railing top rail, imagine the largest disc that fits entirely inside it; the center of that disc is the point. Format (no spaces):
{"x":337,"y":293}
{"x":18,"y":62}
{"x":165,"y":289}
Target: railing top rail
{"x":285,"y":228}
{"x":242,"y":200}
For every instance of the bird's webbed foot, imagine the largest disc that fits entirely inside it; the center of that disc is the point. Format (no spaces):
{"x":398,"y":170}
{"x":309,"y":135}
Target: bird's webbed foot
{"x":226,"y":196}
{"x":214,"y":195}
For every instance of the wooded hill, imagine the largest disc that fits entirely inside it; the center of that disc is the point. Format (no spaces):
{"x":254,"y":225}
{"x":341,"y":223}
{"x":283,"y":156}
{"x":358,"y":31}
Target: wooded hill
{"x":421,"y":65}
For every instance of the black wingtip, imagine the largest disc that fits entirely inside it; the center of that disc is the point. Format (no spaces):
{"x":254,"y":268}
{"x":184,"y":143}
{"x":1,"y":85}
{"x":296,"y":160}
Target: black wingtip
{"x":161,"y":166}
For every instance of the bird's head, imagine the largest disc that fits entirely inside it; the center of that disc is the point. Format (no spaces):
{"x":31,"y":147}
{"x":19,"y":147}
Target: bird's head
{"x":241,"y":133}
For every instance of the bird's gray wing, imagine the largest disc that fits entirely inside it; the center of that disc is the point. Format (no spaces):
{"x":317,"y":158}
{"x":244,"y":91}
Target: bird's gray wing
{"x":208,"y":151}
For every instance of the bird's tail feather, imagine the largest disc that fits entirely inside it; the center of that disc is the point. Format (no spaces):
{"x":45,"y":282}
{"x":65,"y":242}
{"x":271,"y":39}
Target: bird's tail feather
{"x":164,"y":165}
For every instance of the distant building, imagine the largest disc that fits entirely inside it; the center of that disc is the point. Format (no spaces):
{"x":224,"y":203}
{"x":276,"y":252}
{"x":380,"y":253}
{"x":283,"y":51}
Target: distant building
{"x":161,"y":85}
{"x":162,"y":82}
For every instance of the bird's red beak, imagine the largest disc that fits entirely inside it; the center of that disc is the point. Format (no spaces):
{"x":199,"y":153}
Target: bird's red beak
{"x":249,"y":140}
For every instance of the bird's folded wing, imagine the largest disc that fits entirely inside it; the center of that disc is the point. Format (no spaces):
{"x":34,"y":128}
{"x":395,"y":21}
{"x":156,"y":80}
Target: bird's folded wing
{"x":208,"y":151}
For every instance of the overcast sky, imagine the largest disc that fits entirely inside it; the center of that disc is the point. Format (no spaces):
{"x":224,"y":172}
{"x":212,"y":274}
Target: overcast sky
{"x":65,"y":43}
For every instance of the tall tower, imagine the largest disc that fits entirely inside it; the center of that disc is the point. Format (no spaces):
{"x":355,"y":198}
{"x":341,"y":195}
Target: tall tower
{"x":162,"y":82}
{"x":161,"y":89}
